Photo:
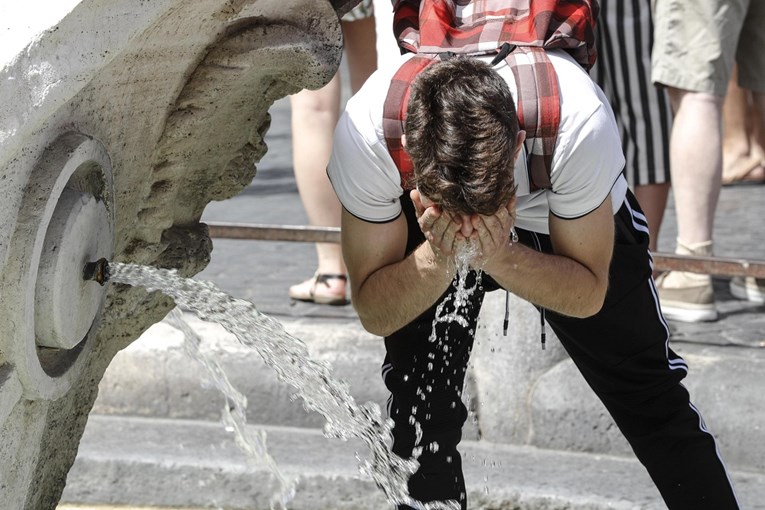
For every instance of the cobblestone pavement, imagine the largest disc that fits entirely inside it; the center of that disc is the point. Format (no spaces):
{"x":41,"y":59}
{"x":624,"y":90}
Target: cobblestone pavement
{"x":261,"y":271}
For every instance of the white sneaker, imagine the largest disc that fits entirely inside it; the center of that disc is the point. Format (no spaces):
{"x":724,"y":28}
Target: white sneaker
{"x":749,"y":288}
{"x":686,"y":297}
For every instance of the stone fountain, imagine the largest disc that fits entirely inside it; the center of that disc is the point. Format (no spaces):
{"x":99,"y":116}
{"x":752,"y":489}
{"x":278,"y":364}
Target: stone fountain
{"x":120,"y":121}
{"x":118,"y":125}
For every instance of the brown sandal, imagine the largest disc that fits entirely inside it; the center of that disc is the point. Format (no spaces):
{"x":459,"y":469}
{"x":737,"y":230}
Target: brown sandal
{"x":318,"y":290}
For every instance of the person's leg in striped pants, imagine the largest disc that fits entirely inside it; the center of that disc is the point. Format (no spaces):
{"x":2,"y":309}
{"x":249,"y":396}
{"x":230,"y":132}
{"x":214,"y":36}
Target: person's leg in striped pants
{"x":642,"y":110}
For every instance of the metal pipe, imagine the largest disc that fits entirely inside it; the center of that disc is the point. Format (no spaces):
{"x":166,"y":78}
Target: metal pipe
{"x":292,"y":233}
{"x":97,"y":271}
{"x":308,"y":234}
{"x":710,"y":265}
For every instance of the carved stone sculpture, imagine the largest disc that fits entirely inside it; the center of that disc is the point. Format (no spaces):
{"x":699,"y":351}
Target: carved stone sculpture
{"x":118,"y":125}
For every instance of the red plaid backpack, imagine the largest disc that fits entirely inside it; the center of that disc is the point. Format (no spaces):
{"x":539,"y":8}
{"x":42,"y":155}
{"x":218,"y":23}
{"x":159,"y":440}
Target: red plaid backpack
{"x":516,"y":30}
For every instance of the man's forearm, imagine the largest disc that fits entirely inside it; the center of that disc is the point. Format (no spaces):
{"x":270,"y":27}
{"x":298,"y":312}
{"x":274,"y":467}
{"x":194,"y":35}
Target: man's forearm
{"x":396,"y":294}
{"x":551,"y":281}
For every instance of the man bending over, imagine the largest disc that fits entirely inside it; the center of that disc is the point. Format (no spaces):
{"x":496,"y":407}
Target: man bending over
{"x":581,"y":258}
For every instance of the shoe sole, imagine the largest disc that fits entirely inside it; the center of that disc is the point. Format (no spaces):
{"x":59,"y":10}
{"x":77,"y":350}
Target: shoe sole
{"x":685,"y":314}
{"x":318,"y":299}
{"x":321,"y":300}
{"x":746,"y":293}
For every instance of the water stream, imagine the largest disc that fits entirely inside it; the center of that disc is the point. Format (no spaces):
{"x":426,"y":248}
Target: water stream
{"x":289,"y":358}
{"x":251,"y":442}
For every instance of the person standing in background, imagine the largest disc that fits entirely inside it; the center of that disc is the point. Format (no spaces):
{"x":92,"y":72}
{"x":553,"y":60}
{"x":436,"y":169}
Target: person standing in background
{"x":743,"y":163}
{"x":314,"y":116}
{"x":696,"y":44}
{"x":642,"y":110}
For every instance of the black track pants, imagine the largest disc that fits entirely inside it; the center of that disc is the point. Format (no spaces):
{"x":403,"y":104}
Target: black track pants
{"x":622,"y":351}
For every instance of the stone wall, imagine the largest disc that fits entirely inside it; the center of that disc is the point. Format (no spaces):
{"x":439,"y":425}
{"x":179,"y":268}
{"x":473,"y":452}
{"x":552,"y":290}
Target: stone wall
{"x":119,"y":123}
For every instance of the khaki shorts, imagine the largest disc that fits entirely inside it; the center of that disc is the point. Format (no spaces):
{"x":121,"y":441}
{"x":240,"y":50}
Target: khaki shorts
{"x":697,"y":41}
{"x":365,"y":9}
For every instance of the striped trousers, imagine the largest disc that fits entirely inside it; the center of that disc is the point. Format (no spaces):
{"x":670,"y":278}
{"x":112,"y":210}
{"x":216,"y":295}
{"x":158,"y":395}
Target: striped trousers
{"x":623,"y":71}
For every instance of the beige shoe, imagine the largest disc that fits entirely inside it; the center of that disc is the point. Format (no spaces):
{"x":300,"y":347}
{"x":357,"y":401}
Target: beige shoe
{"x":749,"y":288}
{"x":688,"y":297}
{"x":322,"y":289}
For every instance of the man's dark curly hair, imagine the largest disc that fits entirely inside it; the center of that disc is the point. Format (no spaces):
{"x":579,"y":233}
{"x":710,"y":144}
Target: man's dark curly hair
{"x":461,"y":129}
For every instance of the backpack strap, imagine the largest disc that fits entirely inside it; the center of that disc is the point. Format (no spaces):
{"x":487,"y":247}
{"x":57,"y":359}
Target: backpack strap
{"x":538,"y":108}
{"x":394,"y":112}
{"x":428,"y":27}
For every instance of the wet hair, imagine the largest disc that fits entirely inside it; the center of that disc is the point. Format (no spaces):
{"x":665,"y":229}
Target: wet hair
{"x":461,"y":128}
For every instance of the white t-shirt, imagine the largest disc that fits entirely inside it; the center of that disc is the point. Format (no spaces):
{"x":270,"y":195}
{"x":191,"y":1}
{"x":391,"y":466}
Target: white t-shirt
{"x":587,"y":162}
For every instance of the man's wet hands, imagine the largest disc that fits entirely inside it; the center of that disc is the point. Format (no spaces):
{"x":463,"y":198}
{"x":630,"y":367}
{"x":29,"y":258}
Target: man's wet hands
{"x":446,"y":232}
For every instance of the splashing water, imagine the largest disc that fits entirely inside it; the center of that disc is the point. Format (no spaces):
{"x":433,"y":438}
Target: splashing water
{"x":460,"y":300}
{"x":289,"y":358}
{"x":253,"y":443}
{"x":462,"y":294}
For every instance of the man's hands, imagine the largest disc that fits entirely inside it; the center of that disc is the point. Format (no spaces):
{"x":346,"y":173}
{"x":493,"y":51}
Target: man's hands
{"x":492,"y":234}
{"x":442,"y":230}
{"x":445,"y":232}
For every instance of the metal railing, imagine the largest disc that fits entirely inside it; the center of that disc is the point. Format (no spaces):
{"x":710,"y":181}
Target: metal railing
{"x":307,"y":234}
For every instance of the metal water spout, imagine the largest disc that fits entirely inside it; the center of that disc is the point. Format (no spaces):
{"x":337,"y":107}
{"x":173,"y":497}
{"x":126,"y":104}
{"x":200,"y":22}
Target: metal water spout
{"x":97,"y":271}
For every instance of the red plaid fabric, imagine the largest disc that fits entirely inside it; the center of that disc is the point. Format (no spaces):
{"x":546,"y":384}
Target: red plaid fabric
{"x":479,"y":27}
{"x":394,"y":112}
{"x":538,"y":110}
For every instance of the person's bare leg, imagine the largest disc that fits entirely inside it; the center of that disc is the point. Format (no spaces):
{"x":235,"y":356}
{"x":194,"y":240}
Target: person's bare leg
{"x":360,"y":50}
{"x":696,"y":162}
{"x":759,"y":103}
{"x":314,"y":116}
{"x":740,"y":160}
{"x":696,"y":168}
{"x":750,"y":288}
{"x":653,"y":201}
{"x":757,"y":133}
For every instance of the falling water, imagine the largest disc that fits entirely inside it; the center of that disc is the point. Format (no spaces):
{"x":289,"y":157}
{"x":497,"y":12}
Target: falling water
{"x":458,"y":302}
{"x":454,"y":309}
{"x":462,"y":292}
{"x":253,"y":443}
{"x":289,"y":358}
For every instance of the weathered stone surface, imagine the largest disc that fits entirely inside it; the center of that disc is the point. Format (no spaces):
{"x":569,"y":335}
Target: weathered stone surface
{"x":532,"y":397}
{"x":175,"y":94}
{"x":155,"y":377}
{"x":506,"y":368}
{"x":566,"y":415}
